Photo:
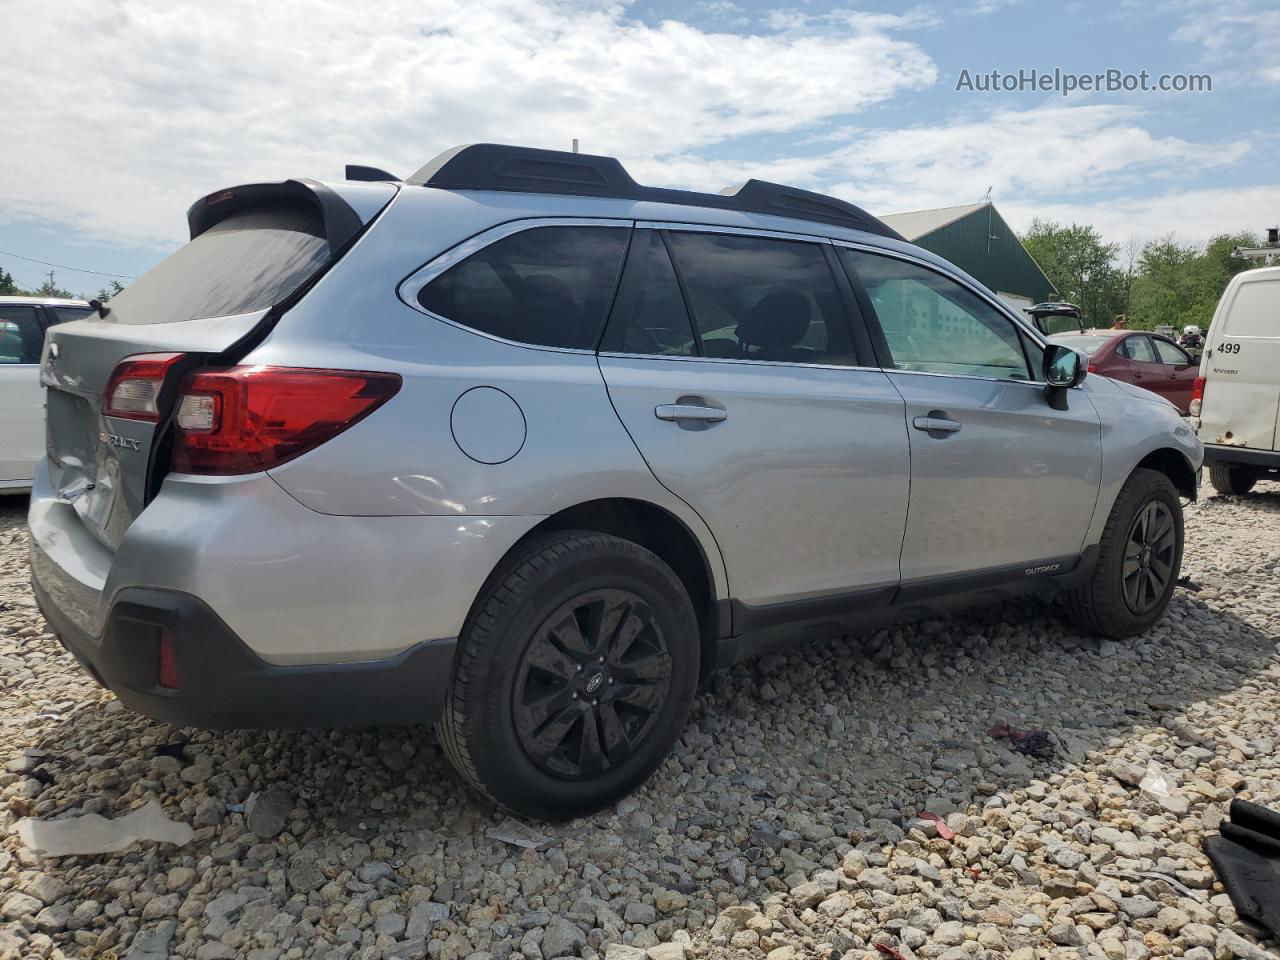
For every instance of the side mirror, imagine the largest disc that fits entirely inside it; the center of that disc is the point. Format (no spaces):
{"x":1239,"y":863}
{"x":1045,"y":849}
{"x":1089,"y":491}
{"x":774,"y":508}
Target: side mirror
{"x":1063,"y":369}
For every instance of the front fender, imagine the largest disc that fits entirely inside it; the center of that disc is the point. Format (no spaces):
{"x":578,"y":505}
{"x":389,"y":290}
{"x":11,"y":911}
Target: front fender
{"x":1137,"y":426}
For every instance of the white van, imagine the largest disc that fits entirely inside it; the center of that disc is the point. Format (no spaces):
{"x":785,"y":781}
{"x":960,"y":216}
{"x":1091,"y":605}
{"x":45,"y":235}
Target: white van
{"x":1236,"y":399}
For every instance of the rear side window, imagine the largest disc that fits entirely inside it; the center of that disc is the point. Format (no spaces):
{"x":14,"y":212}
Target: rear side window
{"x":755,"y":298}
{"x":932,"y":324}
{"x":1255,"y":311}
{"x":21,"y":338}
{"x":247,"y":262}
{"x":548,"y":286}
{"x":67,"y":314}
{"x":650,"y":316}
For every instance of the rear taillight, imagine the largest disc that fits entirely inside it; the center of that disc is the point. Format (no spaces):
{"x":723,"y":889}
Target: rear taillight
{"x":1197,"y":397}
{"x":246,"y":419}
{"x":133,"y":392}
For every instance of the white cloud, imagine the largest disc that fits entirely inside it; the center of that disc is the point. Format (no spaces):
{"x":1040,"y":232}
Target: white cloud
{"x":1192,"y":215}
{"x":1028,"y":157}
{"x":164,"y":102}
{"x":1243,"y":37}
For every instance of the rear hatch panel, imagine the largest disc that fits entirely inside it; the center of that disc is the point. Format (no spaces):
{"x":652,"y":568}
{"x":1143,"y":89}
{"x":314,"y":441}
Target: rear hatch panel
{"x":254,"y":251}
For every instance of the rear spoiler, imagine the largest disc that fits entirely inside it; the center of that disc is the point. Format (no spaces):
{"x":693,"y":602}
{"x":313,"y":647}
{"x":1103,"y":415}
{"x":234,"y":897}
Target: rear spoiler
{"x":341,"y":222}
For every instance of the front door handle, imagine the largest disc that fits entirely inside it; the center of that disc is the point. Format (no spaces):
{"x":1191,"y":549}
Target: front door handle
{"x":936,"y":424}
{"x":689,"y":411}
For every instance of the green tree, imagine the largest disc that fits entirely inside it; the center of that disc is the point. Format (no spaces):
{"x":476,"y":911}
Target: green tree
{"x":1081,"y":266}
{"x":1180,"y":284}
{"x":8,"y":287}
{"x":106,"y":293}
{"x":50,"y":289}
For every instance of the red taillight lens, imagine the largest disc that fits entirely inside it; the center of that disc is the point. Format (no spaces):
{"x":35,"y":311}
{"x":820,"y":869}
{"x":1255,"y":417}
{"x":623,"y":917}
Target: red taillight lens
{"x":133,"y":392}
{"x":168,"y":674}
{"x":246,"y":419}
{"x":1197,"y":397}
{"x":1092,"y":368}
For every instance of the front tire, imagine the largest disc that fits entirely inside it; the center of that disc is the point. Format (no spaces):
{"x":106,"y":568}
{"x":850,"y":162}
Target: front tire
{"x":1231,"y":480}
{"x":574,"y":676}
{"x":1139,"y":558}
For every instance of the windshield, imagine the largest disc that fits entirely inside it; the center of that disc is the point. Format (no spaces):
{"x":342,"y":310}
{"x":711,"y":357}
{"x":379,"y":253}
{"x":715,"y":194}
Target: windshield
{"x":242,"y":264}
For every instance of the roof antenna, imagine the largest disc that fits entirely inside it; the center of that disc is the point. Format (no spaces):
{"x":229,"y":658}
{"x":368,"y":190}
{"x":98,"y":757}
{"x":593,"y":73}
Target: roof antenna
{"x":986,"y":197}
{"x":575,"y":144}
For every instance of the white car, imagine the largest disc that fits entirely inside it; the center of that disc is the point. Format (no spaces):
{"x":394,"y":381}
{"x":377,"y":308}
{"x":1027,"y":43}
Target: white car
{"x":23,"y":321}
{"x":1235,"y":403}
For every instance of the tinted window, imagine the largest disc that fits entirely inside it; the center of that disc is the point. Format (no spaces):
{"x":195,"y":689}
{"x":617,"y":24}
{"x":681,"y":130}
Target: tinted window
{"x":20,"y":336}
{"x":550,"y":286}
{"x":67,"y":314}
{"x":650,"y":316}
{"x":1169,"y":353}
{"x":247,"y":262}
{"x":934,"y":325}
{"x":759,"y":299}
{"x":1139,"y":349}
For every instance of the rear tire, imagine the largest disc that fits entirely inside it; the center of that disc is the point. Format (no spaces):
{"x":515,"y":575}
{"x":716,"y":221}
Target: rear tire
{"x":575,"y":673}
{"x":1139,"y":558}
{"x":1231,"y":480}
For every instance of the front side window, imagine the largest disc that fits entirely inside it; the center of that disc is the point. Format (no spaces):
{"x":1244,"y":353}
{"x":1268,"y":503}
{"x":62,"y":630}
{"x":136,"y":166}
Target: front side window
{"x":756,"y":298}
{"x":1170,"y":354}
{"x":1139,"y":349}
{"x":933,"y":324}
{"x":20,"y":335}
{"x":547,"y":286}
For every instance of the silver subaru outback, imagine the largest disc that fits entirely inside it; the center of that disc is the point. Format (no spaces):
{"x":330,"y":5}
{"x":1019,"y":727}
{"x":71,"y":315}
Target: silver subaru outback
{"x":522,"y":448}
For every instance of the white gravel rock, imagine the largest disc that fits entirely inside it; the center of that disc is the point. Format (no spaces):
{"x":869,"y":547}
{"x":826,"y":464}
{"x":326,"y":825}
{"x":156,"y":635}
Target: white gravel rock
{"x":785,"y":833}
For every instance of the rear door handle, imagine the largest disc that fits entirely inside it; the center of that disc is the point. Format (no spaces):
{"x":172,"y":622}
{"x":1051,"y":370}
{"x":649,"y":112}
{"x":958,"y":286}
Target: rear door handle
{"x":689,"y":411}
{"x":936,"y":424}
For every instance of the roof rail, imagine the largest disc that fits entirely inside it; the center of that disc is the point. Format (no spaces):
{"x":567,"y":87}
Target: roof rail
{"x":493,"y":166}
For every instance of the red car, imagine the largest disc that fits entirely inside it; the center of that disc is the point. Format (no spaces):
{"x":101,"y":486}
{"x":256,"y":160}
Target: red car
{"x":1147,"y":360}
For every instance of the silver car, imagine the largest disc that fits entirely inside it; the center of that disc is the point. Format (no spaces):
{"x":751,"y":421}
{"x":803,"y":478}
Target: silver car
{"x":522,"y":448}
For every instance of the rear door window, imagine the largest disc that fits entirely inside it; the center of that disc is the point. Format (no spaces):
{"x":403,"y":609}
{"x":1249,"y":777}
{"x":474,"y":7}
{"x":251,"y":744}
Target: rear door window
{"x":245,"y":263}
{"x":932,"y":324}
{"x":547,"y":286}
{"x":650,"y":316}
{"x":21,"y":338}
{"x":757,"y":298}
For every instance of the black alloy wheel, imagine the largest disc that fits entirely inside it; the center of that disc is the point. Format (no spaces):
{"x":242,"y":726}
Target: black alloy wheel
{"x":1149,"y":556}
{"x":590,"y":684}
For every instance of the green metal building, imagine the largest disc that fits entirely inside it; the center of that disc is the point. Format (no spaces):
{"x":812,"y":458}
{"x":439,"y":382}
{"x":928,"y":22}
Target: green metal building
{"x":977,"y":240}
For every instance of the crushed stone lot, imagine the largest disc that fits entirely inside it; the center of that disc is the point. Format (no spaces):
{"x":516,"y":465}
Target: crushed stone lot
{"x":784,"y":825}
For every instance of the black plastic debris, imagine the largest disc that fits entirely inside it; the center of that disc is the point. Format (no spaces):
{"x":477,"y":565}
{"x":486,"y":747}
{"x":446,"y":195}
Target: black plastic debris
{"x":1246,"y":858}
{"x":1033,"y":743}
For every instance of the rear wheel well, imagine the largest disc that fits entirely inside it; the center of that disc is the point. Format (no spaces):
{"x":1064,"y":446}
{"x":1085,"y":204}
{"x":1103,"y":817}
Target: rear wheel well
{"x":664,"y":534}
{"x":1174,"y":466}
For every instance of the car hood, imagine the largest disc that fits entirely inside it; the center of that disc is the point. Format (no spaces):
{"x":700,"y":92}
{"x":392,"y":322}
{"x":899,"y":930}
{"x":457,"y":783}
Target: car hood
{"x":1142,"y":394}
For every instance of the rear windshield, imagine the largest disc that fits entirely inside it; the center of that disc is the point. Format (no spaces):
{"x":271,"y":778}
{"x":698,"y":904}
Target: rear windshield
{"x":1059,"y":324}
{"x":244,"y":263}
{"x":1089,"y":345}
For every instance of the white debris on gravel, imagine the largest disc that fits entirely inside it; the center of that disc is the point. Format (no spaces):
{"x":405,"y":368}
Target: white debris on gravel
{"x":783,"y":827}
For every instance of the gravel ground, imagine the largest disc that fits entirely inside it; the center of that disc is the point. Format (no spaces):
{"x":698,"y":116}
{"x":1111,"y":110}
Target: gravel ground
{"x":784,"y":825}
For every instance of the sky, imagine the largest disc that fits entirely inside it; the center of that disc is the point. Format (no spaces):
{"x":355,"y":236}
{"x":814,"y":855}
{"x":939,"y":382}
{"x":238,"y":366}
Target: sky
{"x":120,"y":113}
